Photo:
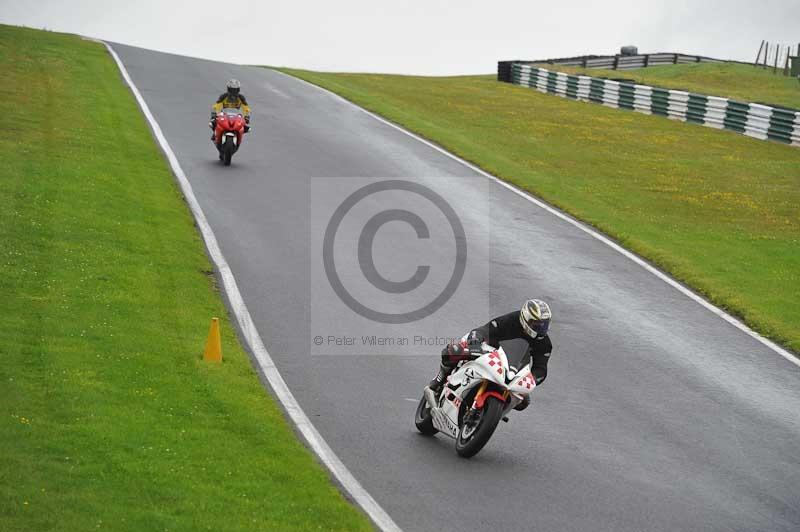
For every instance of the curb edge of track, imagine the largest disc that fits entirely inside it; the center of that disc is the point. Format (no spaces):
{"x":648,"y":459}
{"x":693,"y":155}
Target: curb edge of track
{"x":248,"y":329}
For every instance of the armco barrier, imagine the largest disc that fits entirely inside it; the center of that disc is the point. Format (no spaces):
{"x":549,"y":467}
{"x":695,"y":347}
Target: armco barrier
{"x":625,"y":62}
{"x":751,"y":119}
{"x":504,"y":71}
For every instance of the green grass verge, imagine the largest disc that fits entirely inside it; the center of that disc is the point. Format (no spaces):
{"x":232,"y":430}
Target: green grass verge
{"x":109,"y":419}
{"x":717,"y":210}
{"x":745,"y":83}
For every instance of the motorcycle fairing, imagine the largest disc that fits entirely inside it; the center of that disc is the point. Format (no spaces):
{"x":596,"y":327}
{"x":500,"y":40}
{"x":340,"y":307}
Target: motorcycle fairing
{"x":493,"y":367}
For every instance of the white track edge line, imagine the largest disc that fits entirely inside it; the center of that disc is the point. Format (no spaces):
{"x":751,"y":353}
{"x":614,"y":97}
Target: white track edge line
{"x":580,"y":225}
{"x":248,"y":329}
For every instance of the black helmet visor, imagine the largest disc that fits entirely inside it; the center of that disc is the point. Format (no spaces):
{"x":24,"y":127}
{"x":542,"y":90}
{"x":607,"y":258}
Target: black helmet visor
{"x":539,"y":326}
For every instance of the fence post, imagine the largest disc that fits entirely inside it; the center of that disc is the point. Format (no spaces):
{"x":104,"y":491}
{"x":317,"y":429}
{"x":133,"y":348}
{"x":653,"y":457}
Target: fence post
{"x":675,"y":60}
{"x":777,"y":52}
{"x":646,"y":60}
{"x":758,"y":55}
{"x":584,"y":62}
{"x":616,"y":62}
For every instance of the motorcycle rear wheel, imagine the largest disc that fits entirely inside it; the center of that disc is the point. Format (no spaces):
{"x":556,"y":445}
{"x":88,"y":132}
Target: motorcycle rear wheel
{"x":478,"y":436}
{"x":423,"y":419}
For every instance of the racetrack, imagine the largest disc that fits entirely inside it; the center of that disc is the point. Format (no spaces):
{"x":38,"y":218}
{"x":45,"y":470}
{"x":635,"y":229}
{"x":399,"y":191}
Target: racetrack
{"x":656,"y":414}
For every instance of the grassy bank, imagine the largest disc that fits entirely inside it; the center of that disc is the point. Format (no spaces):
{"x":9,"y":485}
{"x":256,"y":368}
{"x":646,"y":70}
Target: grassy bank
{"x":717,"y":210}
{"x":109,"y":419}
{"x":745,"y":83}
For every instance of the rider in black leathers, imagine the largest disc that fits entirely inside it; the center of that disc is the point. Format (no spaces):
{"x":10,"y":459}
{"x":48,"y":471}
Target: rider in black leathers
{"x":530,"y":324}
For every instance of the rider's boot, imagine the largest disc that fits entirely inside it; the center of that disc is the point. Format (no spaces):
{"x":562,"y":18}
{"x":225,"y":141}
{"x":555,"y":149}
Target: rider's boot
{"x":440,"y":378}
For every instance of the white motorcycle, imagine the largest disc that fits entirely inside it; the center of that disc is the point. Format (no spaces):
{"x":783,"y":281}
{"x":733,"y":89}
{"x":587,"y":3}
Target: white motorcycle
{"x":477,"y":395}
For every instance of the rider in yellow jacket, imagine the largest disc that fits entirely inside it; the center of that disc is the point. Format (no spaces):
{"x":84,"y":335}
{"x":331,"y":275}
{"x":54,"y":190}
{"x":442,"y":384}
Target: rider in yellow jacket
{"x":231,"y":99}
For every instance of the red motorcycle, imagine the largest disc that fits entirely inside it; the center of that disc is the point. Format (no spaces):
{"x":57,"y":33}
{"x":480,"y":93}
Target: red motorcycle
{"x":229,"y":129}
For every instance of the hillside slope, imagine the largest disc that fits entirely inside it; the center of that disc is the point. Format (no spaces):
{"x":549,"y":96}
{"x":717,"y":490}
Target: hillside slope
{"x":109,"y":419}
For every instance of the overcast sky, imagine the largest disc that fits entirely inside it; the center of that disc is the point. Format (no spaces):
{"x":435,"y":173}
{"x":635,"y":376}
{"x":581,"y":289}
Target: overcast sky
{"x":420,"y":36}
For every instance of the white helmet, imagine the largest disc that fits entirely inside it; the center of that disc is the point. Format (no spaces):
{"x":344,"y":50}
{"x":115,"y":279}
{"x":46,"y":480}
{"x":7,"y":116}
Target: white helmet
{"x":234,"y":86}
{"x":535,"y":318}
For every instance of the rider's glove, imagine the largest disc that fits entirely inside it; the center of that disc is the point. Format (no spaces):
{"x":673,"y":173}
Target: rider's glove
{"x":474,"y":341}
{"x":247,"y":119}
{"x":452,"y":350}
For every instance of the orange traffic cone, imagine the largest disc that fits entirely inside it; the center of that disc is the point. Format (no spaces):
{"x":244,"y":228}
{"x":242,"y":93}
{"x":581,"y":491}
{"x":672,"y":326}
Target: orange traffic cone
{"x":213,"y":352}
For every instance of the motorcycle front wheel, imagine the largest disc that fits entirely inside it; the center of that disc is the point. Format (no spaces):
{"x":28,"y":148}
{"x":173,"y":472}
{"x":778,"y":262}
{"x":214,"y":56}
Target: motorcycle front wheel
{"x":423,"y":419}
{"x":474,"y":433}
{"x":227,"y":151}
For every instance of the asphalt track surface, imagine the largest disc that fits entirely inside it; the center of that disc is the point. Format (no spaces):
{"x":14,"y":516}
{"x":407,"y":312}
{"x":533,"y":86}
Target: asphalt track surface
{"x":656,"y":414}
